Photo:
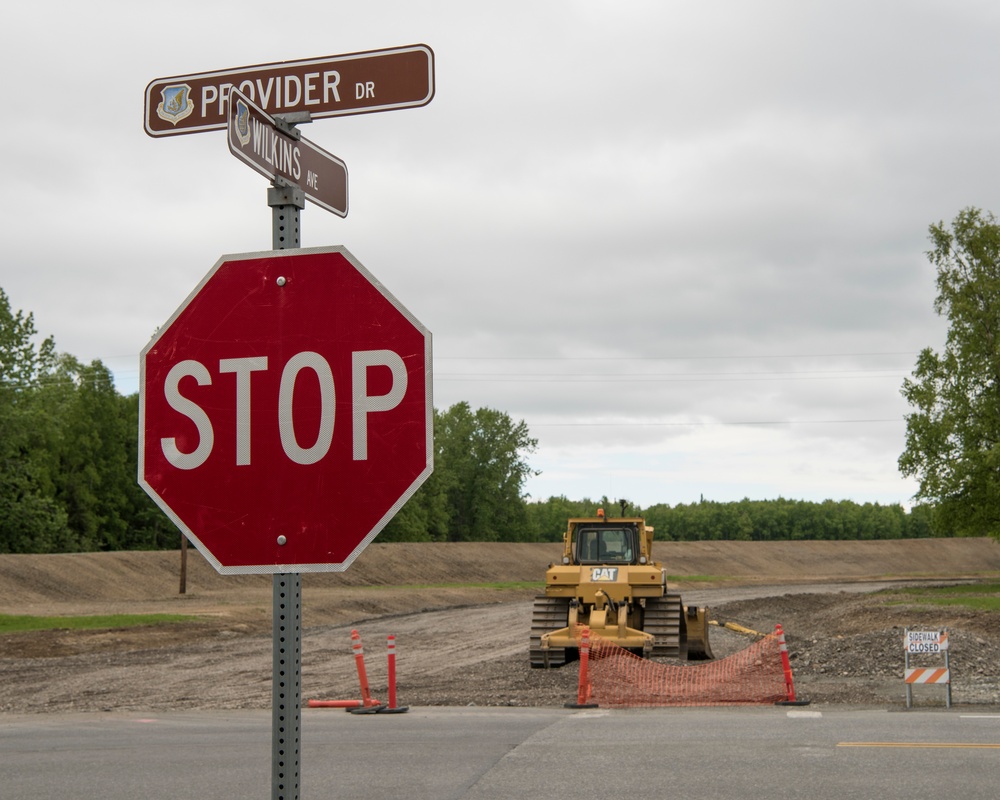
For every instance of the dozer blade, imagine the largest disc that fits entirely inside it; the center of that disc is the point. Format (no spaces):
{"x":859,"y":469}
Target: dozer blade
{"x":698,"y":648}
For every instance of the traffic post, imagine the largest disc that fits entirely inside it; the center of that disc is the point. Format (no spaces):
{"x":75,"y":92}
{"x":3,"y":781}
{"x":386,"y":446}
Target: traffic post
{"x":285,"y":408}
{"x":285,"y":416}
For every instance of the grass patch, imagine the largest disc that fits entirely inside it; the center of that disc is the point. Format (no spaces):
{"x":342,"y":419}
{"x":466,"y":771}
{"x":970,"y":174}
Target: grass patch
{"x":965,"y":588}
{"x":23,"y":624}
{"x":976,"y":596}
{"x":975,"y":603}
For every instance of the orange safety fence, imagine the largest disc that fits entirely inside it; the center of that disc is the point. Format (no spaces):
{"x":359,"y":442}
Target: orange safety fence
{"x":616,"y":677}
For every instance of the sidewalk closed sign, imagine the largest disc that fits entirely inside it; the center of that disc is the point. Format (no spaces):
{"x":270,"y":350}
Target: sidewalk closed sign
{"x":926,"y":641}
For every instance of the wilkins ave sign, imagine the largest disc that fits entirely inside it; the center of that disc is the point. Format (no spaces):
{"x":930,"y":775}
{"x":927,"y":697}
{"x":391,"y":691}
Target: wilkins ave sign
{"x":255,"y":138}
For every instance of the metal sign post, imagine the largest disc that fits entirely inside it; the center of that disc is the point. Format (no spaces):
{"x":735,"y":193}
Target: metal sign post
{"x":188,"y":471}
{"x":286,"y":687}
{"x":286,"y":201}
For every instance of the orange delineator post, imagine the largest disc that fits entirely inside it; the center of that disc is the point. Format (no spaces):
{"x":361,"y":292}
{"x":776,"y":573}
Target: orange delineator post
{"x":583,"y":690}
{"x":366,"y":701}
{"x":392,"y":708}
{"x":392,"y":670}
{"x":785,"y":663}
{"x":334,"y":703}
{"x":359,"y":660}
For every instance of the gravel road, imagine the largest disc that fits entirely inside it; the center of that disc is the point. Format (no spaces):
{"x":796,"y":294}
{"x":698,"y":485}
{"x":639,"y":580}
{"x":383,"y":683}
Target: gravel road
{"x":844,"y":642}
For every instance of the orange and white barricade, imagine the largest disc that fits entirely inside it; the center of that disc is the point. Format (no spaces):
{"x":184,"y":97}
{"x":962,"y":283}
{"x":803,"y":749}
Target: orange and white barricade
{"x":920,"y":644}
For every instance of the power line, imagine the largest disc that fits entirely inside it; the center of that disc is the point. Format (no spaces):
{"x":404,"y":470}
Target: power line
{"x":650,"y":424}
{"x":612,"y":378}
{"x":676,"y":358}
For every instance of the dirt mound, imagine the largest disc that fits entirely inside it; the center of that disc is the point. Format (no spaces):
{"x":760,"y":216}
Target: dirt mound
{"x":781,"y":562}
{"x":97,"y":582}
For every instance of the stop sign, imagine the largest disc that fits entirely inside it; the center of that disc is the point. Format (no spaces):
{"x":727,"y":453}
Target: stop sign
{"x":285,"y":411}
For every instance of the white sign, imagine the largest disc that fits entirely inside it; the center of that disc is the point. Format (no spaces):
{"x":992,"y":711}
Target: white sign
{"x":926,"y":641}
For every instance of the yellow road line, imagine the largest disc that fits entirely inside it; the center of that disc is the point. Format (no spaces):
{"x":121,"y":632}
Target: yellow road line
{"x":973,"y":745}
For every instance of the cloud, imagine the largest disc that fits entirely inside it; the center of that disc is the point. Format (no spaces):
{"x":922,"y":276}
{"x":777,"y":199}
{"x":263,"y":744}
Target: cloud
{"x":684,"y":242}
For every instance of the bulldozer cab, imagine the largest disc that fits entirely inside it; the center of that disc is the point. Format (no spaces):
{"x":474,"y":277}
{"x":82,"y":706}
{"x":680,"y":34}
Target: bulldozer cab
{"x":606,"y":544}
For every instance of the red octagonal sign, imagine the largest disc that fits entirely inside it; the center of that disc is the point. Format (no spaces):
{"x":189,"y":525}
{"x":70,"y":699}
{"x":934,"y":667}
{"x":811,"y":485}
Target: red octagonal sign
{"x":285,"y":411}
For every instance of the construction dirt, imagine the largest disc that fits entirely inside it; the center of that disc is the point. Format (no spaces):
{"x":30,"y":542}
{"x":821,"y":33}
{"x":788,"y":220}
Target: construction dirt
{"x":461,"y":617}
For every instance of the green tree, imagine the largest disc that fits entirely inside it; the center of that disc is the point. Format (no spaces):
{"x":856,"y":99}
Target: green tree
{"x":953,"y":433}
{"x":547,"y":519}
{"x":484,"y":454}
{"x":91,"y":468}
{"x":424,"y":517}
{"x":148,"y":527}
{"x":30,"y":518}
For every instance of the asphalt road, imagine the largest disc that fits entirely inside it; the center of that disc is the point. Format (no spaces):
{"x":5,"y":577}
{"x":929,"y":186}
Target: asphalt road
{"x":487,"y":754}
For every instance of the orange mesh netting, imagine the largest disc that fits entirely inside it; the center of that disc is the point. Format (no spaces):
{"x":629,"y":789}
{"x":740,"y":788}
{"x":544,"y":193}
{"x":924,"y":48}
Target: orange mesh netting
{"x":618,"y":678}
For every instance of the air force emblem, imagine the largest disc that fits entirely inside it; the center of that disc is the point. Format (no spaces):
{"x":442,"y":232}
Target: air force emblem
{"x":177,"y":103}
{"x":243,"y":122}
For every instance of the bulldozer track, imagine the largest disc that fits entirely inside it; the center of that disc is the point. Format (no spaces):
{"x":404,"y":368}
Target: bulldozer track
{"x":663,"y":617}
{"x":548,"y":614}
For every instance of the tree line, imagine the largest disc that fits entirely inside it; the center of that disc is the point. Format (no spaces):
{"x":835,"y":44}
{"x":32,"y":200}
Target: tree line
{"x":69,"y":447}
{"x":69,"y":461}
{"x":69,"y":456}
{"x":745,"y":520}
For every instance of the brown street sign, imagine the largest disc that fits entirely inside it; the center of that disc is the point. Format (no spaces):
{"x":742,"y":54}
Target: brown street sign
{"x":256,"y":139}
{"x":355,"y":83}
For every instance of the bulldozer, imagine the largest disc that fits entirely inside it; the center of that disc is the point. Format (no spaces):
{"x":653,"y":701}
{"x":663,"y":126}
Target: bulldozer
{"x":608,"y":581}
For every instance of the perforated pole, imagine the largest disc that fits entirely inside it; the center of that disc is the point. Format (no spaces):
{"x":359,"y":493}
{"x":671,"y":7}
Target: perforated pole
{"x":286,"y":687}
{"x":286,"y":200}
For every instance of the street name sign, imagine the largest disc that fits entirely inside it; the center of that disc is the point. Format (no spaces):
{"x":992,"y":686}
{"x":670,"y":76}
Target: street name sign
{"x":285,"y":411}
{"x":354,"y":83}
{"x":256,"y":139}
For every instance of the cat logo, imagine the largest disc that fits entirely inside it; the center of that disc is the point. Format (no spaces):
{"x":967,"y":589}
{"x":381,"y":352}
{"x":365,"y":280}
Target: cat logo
{"x":604,"y":574}
{"x":177,"y":103}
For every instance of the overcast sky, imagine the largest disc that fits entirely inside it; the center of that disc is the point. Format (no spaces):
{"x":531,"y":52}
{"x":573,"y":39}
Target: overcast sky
{"x":684,"y":242}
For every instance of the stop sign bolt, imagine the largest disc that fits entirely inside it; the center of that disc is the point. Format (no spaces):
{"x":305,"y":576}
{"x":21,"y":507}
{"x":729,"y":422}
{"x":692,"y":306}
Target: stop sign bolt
{"x":281,"y":281}
{"x":282,"y":540}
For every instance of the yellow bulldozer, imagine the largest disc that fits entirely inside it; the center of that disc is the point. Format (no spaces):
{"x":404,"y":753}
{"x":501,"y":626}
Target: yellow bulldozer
{"x":607,"y":580}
